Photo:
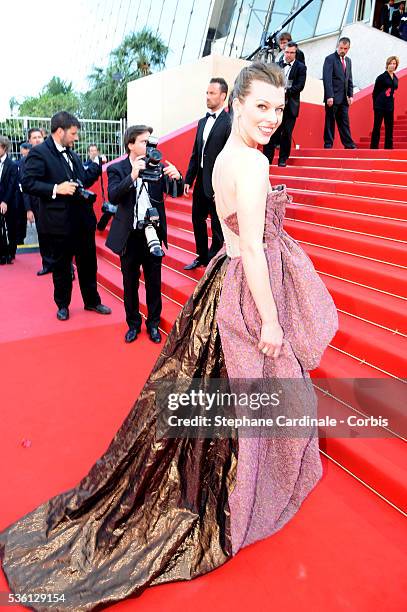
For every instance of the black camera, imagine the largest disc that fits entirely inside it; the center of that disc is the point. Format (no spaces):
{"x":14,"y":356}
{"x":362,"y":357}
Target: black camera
{"x":85,"y":194}
{"x":153,"y":170}
{"x":149,"y":224}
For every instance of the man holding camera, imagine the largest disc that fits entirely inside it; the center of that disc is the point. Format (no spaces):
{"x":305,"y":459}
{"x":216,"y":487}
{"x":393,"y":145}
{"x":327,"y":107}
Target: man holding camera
{"x":137,"y":185}
{"x":55,"y":174}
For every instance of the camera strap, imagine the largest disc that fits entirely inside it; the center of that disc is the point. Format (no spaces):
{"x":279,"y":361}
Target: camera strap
{"x":138,"y":193}
{"x":102,"y":187}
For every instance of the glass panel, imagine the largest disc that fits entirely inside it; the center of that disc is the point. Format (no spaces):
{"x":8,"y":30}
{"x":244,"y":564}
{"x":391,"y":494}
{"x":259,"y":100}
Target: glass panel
{"x":304,"y":24}
{"x":368,"y":10}
{"x":254,"y":31}
{"x":196,"y":31}
{"x":351,"y":12}
{"x":331,"y":16}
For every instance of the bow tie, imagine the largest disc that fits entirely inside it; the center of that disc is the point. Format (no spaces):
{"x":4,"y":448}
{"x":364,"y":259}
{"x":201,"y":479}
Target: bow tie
{"x":285,"y":64}
{"x":213,"y":115}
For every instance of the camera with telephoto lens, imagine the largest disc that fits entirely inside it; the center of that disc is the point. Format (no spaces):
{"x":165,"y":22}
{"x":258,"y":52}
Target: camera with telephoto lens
{"x":153,"y":170}
{"x":149,"y":225}
{"x":84,"y":194}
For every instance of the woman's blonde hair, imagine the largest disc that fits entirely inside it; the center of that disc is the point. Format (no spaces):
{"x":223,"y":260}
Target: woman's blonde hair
{"x":391,"y":59}
{"x":258,"y":71}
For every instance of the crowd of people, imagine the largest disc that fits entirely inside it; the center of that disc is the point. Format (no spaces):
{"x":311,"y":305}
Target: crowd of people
{"x":48,"y":185}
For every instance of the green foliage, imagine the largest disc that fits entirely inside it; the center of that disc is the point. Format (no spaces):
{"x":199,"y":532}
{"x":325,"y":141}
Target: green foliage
{"x":135,"y":57}
{"x":55,"y":96}
{"x":138,"y":55}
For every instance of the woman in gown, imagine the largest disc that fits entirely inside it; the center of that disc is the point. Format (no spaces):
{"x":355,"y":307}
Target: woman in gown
{"x":157,"y":509}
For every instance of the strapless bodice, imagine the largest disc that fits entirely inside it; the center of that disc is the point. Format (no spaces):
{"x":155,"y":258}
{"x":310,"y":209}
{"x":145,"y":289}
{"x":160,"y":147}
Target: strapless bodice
{"x":275,"y":210}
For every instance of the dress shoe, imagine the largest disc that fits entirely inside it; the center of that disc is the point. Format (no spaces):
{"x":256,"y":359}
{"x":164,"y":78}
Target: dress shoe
{"x":154,"y":334}
{"x":100,"y":308}
{"x":63,"y":314}
{"x":197,"y":263}
{"x":351,"y":147}
{"x":282,"y":164}
{"x":43,"y":271}
{"x":131,"y":335}
{"x":9,"y":259}
{"x":327,"y":146}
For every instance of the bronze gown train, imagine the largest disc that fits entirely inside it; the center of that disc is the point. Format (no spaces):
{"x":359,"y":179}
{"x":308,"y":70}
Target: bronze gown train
{"x":153,"y":510}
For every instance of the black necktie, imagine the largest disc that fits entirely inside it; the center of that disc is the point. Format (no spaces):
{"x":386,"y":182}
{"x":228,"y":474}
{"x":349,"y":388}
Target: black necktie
{"x":213,"y":115}
{"x":285,"y":64}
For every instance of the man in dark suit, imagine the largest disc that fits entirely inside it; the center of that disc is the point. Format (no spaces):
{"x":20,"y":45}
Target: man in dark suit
{"x":52,"y":172}
{"x":338,"y":95}
{"x":296,"y":74}
{"x":386,"y":17}
{"x":283,"y":39}
{"x":32,"y":207}
{"x":127,"y":236}
{"x":8,"y":186}
{"x":211,"y":136}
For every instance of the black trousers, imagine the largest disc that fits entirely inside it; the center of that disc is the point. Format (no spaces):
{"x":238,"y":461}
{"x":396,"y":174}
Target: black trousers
{"x":44,"y":244}
{"x":283,"y":137}
{"x":81,"y":245}
{"x":202,"y":206}
{"x":340,"y":114}
{"x":388,"y":117}
{"x":136,"y":254}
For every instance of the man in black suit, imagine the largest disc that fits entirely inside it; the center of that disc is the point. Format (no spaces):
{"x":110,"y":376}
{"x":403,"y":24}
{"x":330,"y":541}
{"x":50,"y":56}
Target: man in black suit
{"x":283,"y":39}
{"x":52,"y":172}
{"x":211,"y":136}
{"x":133,"y":196}
{"x":8,"y":186}
{"x":296,"y":74}
{"x":32,"y":207}
{"x":338,"y":95}
{"x":386,"y":17}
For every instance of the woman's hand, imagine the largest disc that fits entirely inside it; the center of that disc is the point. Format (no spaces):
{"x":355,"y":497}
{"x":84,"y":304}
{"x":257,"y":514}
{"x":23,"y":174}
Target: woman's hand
{"x":271,"y":339}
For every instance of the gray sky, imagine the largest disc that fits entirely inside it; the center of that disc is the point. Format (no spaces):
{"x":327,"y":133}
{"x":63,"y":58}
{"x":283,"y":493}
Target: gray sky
{"x":44,"y":38}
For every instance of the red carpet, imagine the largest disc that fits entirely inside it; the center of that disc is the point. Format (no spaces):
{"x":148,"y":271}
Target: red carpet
{"x":67,"y":387}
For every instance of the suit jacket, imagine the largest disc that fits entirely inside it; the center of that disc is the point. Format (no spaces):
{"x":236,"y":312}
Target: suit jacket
{"x":385,"y":18}
{"x":122,"y":192}
{"x":30,"y":202}
{"x":337,"y":83}
{"x":298,"y":76}
{"x":383,"y":92}
{"x":216,"y":141}
{"x":44,"y":167}
{"x":9,"y":184}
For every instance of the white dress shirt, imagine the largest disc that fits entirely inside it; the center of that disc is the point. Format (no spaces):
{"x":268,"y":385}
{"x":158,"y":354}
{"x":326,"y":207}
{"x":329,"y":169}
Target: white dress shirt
{"x":62,"y":150}
{"x":210,"y":122}
{"x":142,"y":201}
{"x":2,"y":160}
{"x":287,"y":69}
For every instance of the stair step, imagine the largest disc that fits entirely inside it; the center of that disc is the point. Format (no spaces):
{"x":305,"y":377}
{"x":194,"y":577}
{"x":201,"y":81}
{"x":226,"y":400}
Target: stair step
{"x":343,"y":173}
{"x":386,"y":192}
{"x":364,"y":167}
{"x":354,"y":154}
{"x":369,"y":206}
{"x":373,"y":274}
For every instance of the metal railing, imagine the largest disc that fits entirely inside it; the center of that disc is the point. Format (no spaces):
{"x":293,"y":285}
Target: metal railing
{"x":107,"y":135}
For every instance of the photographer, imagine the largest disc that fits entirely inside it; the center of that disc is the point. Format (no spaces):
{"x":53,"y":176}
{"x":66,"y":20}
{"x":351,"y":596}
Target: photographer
{"x":137,"y":185}
{"x":55,"y":174}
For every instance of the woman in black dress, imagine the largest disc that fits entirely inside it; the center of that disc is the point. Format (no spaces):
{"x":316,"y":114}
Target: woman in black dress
{"x":383,"y":103}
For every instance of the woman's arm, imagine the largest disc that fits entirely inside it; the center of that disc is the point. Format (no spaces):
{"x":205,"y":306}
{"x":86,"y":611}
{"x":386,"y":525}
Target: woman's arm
{"x":252,"y":183}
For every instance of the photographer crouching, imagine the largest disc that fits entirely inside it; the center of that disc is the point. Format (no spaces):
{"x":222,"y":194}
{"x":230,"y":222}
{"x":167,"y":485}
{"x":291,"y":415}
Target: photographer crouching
{"x":136,"y":185}
{"x":55,"y":174}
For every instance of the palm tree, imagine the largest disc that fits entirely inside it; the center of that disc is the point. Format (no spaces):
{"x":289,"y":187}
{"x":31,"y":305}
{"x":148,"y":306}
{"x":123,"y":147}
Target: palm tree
{"x":137,"y":56}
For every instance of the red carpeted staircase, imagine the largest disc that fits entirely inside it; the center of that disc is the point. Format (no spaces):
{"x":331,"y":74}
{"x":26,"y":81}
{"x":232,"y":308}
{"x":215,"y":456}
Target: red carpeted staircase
{"x":349,"y":213}
{"x":399,"y":134}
